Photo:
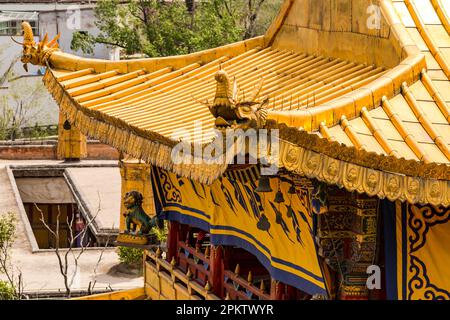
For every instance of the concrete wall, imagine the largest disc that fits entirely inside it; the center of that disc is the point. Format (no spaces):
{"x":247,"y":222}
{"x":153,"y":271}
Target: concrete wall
{"x":57,"y":21}
{"x":338,"y":28}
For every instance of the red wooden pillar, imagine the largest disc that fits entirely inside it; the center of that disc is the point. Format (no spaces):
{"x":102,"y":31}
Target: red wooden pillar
{"x":291,"y":293}
{"x":276,"y":290}
{"x":172,"y":240}
{"x":216,"y":270}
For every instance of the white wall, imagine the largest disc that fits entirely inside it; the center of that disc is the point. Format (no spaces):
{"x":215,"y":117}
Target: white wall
{"x":62,"y":22}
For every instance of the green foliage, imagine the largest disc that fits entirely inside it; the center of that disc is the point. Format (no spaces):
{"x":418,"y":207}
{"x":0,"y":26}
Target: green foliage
{"x":163,"y":28}
{"x":6,"y":115}
{"x":7,"y":292}
{"x":7,"y":231}
{"x":130,"y":256}
{"x":160,"y":234}
{"x":83,"y":41}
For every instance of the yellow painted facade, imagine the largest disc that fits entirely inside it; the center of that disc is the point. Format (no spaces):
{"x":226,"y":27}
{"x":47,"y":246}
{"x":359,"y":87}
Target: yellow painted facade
{"x":136,"y":177}
{"x":72,"y":144}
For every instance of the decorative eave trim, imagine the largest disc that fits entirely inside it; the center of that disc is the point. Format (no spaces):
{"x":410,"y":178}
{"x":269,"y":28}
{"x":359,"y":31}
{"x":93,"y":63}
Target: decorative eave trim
{"x":69,"y":62}
{"x":361,"y":171}
{"x":363,"y":158}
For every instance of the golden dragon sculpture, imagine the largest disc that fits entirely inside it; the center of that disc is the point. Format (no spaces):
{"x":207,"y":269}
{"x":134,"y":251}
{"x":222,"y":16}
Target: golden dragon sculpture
{"x":36,"y":53}
{"x":230,"y":111}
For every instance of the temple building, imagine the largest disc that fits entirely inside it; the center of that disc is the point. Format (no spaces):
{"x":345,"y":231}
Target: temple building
{"x":350,"y":189}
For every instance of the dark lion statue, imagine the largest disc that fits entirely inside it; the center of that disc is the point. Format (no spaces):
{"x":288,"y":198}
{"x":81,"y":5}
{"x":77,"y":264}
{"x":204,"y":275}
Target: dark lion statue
{"x":136,"y":216}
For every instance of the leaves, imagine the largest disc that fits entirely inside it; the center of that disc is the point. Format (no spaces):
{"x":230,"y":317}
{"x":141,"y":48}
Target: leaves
{"x":166,"y":28}
{"x":7,"y":292}
{"x":7,"y":231}
{"x":130,"y":256}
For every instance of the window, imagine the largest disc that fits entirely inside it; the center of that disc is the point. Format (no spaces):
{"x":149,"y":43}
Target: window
{"x":10,"y":22}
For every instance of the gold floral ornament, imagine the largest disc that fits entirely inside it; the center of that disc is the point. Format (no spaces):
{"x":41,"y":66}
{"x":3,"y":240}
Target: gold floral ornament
{"x":291,"y":156}
{"x":36,"y":53}
{"x":393,"y":187}
{"x":413,"y":189}
{"x":434,"y":191}
{"x":351,"y":177}
{"x":233,"y":110}
{"x":372,"y":182}
{"x":311,"y":164}
{"x":331,"y":170}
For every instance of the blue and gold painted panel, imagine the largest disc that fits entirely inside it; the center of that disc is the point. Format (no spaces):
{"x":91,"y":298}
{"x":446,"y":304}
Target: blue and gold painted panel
{"x":278,"y":234}
{"x":417,"y":251}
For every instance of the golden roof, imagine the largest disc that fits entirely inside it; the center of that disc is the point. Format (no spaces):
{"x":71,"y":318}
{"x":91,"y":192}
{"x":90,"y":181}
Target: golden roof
{"x":383,"y":93}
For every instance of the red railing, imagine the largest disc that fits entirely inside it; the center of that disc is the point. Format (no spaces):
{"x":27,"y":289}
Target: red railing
{"x":194,"y":260}
{"x":237,"y":288}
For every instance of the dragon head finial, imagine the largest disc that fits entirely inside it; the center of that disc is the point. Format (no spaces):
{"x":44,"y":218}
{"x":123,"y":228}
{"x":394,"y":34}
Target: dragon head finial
{"x":37,"y":54}
{"x":229,"y":111}
{"x":223,"y":95}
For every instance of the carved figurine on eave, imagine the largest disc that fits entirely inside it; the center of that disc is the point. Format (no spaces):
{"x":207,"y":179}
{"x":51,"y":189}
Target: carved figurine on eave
{"x":36,"y":53}
{"x":232,"y":111}
{"x":137,"y":223}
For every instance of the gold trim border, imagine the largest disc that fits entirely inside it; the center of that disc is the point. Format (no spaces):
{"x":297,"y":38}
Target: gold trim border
{"x":361,"y":179}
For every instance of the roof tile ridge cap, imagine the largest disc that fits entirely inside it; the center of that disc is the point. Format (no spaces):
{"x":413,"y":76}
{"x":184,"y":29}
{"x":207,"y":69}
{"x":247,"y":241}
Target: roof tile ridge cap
{"x":60,"y":59}
{"x":394,"y":21}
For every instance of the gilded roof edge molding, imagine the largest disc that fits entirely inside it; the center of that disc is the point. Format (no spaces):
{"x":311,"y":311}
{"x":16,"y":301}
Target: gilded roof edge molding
{"x":65,"y":61}
{"x":362,"y":179}
{"x":362,"y":157}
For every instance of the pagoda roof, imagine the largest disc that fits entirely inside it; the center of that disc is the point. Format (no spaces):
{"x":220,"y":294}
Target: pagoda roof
{"x":383,"y":116}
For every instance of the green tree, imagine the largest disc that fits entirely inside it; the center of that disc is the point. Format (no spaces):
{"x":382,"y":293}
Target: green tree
{"x":12,"y":287}
{"x":162,"y":28}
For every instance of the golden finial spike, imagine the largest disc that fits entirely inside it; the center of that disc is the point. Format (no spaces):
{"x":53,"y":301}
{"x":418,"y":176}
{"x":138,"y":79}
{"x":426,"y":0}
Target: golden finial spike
{"x":250,"y":277}
{"x":237,"y":270}
{"x":28,"y":38}
{"x":173,"y":262}
{"x":227,"y":296}
{"x":262,"y":287}
{"x":158,"y":252}
{"x":207,"y":253}
{"x":208,"y":286}
{"x":54,"y":42}
{"x":45,"y":39}
{"x":189,"y":273}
